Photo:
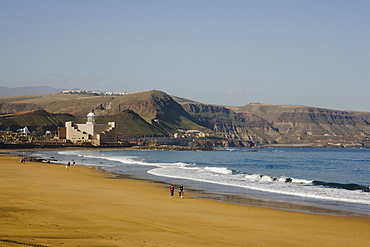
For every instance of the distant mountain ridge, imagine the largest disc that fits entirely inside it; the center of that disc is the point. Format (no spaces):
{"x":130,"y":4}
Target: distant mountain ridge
{"x":31,"y":90}
{"x":157,"y":113}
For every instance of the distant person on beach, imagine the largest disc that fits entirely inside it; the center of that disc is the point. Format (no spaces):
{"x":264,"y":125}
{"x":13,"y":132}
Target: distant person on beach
{"x":181,"y":191}
{"x":68,"y":165}
{"x":172,"y":190}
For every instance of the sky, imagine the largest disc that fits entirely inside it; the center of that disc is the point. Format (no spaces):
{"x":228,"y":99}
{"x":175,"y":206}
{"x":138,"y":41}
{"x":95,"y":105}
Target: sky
{"x":287,"y":52}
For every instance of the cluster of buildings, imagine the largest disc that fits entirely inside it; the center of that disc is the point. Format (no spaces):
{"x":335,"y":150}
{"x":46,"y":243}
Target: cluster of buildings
{"x":89,"y":133}
{"x":95,"y":93}
{"x":190,"y":134}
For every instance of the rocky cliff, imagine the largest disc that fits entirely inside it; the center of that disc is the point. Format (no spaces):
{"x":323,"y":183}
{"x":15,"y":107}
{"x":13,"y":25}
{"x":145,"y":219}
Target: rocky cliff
{"x":317,"y":126}
{"x":242,"y":129}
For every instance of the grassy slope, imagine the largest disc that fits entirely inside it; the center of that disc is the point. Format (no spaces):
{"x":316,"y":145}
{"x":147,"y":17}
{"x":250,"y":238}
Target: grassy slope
{"x":130,"y":123}
{"x":33,"y":119}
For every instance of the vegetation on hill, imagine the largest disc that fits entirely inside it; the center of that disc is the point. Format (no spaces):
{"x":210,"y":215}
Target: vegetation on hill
{"x":39,"y":119}
{"x":130,"y":123}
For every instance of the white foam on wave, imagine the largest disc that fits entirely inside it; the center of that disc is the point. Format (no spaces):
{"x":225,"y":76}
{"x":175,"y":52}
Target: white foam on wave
{"x":302,"y":181}
{"x":120,"y":159}
{"x":220,"y":170}
{"x":282,"y":179}
{"x":77,"y":153}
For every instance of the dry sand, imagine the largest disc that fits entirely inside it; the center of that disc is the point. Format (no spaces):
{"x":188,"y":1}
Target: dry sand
{"x":45,"y":205}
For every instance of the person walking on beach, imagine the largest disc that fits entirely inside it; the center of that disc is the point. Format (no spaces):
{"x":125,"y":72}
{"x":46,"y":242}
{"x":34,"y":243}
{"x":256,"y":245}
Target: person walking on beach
{"x":181,"y":191}
{"x":172,"y":190}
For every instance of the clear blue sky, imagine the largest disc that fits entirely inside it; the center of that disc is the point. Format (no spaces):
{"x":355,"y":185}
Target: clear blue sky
{"x":314,"y":52}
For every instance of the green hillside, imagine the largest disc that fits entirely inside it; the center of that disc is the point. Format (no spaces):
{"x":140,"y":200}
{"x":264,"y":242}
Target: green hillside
{"x":130,"y":123}
{"x":34,"y":120}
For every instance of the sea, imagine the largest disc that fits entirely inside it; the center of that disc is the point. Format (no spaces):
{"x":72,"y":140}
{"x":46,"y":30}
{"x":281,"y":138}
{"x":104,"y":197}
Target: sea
{"x":335,"y":180}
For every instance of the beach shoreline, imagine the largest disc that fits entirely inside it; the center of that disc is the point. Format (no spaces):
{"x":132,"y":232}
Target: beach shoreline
{"x":246,"y":200}
{"x":209,"y":194}
{"x":46,"y":205}
{"x":255,"y":199}
{"x":205,"y":190}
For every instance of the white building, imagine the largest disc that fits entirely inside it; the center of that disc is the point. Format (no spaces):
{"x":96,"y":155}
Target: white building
{"x":96,"y":134}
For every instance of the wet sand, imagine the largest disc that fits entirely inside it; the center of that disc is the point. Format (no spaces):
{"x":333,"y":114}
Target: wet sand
{"x":45,"y":205}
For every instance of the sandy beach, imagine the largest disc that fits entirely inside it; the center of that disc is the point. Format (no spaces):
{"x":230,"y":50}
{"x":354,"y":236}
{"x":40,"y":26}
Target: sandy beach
{"x":46,"y":205}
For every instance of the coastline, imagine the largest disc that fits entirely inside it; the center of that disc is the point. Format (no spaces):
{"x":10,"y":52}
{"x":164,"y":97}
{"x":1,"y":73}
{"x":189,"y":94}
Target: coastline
{"x":43,"y":204}
{"x":205,"y":190}
{"x":246,"y":200}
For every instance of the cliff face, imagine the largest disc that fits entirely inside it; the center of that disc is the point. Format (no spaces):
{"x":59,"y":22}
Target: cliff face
{"x":243,"y":129}
{"x":297,"y":124}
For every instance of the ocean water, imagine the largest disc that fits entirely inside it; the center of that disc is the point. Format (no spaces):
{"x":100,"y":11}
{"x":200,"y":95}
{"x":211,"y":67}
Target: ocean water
{"x":332,"y":178}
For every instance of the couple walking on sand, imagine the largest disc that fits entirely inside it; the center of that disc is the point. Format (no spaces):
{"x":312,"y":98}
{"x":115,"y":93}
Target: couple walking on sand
{"x":69,"y":164}
{"x":181,"y":190}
